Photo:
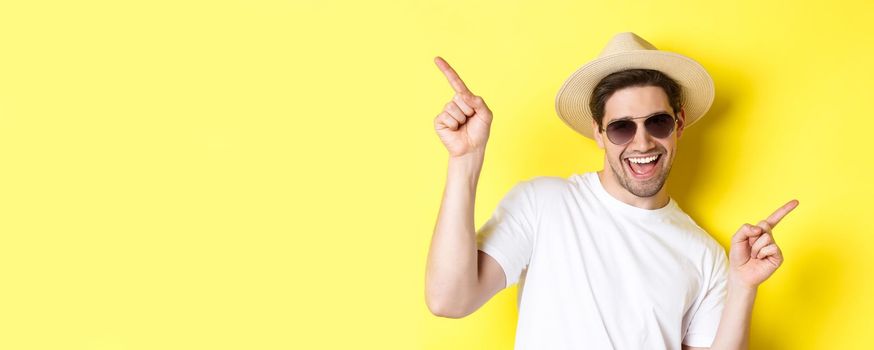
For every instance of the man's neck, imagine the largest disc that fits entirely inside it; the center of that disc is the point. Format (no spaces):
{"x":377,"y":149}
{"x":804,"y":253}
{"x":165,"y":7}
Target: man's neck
{"x":615,"y":189}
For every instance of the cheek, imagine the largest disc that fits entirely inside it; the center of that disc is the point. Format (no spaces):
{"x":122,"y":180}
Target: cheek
{"x":615,"y":155}
{"x":670,"y":147}
{"x":610,"y":152}
{"x":671,"y":151}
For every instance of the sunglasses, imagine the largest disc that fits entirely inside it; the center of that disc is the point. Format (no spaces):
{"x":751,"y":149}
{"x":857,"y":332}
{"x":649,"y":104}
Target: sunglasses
{"x":622,"y":131}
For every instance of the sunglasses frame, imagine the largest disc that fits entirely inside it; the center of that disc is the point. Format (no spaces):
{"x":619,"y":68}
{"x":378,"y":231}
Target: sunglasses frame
{"x":645,"y":118}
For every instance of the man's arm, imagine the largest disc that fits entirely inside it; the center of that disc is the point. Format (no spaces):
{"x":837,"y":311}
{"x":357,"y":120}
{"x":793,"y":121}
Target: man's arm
{"x":734,"y":325}
{"x":458,"y":277}
{"x":754,"y":257}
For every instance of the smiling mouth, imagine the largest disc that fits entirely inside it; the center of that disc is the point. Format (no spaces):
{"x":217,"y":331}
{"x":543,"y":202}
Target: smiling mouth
{"x":642,"y":167}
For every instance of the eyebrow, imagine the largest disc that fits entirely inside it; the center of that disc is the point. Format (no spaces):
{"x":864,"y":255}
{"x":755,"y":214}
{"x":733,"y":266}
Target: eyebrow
{"x":628,"y":117}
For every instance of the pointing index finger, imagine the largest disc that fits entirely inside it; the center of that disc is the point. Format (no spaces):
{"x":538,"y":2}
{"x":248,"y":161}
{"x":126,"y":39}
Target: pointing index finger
{"x":451,"y":75}
{"x":780,"y":213}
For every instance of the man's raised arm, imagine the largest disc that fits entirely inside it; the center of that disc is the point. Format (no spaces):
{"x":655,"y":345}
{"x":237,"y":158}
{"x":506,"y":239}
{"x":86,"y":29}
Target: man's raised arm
{"x":458,"y":278}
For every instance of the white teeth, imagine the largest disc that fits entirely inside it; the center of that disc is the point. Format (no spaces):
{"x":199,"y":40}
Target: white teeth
{"x":643,"y":160}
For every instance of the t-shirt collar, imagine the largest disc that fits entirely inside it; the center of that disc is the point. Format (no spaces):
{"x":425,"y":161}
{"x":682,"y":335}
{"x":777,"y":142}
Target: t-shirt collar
{"x":614,"y":203}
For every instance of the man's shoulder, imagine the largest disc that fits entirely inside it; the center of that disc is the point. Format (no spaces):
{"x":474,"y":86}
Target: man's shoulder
{"x":548,"y":185}
{"x":707,"y":241}
{"x":549,"y":181}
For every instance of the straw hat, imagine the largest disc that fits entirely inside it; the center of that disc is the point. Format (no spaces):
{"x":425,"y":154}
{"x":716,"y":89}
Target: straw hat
{"x":624,"y":51}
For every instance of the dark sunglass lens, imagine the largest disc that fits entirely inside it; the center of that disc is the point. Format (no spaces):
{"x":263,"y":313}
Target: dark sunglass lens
{"x":660,"y":125}
{"x":620,"y":132}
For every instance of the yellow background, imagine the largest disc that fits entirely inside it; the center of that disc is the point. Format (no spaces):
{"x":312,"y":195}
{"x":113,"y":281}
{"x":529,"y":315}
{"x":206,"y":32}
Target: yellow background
{"x":265,"y":174}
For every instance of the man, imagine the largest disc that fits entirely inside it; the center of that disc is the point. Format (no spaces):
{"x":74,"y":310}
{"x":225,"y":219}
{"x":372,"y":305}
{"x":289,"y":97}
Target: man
{"x":604,"y":260}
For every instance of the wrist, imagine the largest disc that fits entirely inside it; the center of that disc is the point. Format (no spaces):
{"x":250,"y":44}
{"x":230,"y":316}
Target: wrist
{"x":738,"y":286}
{"x":466,"y":167}
{"x":473,"y":159}
{"x":474,"y":153}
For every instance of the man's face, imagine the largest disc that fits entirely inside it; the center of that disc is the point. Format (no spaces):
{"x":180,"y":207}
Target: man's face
{"x":645,"y":179}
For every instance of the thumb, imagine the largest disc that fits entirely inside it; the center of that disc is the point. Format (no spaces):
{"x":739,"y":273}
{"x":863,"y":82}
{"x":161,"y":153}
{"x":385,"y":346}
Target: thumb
{"x":479,"y":106}
{"x":740,"y":247}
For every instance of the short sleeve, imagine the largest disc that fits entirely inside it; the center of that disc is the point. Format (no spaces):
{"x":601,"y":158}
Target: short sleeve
{"x":705,"y":318}
{"x":508,"y":234}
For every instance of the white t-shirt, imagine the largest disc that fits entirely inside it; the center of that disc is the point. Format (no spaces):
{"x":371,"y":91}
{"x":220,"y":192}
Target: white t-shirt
{"x":597,"y":273}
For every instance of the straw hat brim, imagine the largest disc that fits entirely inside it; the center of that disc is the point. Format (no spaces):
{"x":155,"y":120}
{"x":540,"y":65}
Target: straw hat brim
{"x":572,"y":100}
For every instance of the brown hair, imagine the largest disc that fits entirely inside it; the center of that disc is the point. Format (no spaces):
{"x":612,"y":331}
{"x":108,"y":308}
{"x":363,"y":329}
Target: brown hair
{"x":633,"y":77}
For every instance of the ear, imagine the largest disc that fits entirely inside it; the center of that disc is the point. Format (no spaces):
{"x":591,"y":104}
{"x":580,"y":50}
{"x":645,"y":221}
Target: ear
{"x":597,"y":135}
{"x":681,"y":122}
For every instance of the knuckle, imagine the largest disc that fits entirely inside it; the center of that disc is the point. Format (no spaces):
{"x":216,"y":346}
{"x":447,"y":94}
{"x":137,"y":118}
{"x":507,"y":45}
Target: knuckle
{"x":451,"y":120}
{"x":444,"y":117}
{"x":470,"y":99}
{"x":762,"y":242}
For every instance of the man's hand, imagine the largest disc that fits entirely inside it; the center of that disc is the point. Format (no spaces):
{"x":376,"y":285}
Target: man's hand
{"x":754,"y":254}
{"x":463,"y":126}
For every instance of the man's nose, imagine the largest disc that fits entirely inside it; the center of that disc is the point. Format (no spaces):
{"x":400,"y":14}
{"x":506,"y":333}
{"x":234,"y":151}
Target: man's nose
{"x":642,"y":140}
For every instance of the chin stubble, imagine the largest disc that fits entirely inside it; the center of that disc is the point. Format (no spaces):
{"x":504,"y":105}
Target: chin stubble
{"x":649,"y":188}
